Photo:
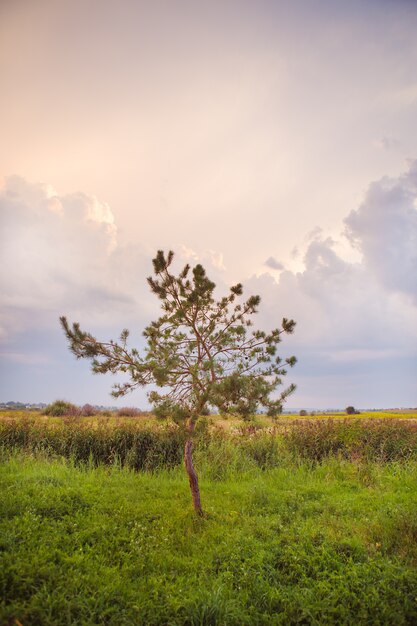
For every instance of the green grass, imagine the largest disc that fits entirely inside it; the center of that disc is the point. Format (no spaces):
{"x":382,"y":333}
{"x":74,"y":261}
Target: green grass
{"x":303,"y":543}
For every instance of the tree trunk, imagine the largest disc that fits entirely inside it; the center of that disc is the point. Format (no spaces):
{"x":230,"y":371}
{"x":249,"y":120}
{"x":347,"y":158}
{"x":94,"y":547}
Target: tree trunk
{"x":192,"y":474}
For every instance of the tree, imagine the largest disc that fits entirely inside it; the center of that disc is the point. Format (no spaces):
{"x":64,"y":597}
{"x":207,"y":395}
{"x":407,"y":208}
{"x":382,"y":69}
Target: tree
{"x":350,"y":410}
{"x":199,"y":354}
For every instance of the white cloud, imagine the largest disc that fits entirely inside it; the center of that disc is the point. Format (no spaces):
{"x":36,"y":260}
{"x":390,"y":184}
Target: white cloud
{"x":384,"y":229}
{"x":215,"y":258}
{"x":189,"y":254}
{"x":58,"y":253}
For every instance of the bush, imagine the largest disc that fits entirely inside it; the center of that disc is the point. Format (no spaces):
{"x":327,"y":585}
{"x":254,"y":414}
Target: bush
{"x":127,"y":411}
{"x":60,"y":408}
{"x":88,"y":410}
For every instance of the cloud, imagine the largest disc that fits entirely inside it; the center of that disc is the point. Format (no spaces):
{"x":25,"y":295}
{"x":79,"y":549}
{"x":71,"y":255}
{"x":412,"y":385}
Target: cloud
{"x":356,"y":320}
{"x":387,"y":143}
{"x":338,"y":305}
{"x":58,"y":254}
{"x":384,"y":229}
{"x":213,"y":257}
{"x":273,"y":264}
{"x":61,"y":254}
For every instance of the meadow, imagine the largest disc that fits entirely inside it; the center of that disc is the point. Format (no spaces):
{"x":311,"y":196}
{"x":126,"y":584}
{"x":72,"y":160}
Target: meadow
{"x":306,"y":522}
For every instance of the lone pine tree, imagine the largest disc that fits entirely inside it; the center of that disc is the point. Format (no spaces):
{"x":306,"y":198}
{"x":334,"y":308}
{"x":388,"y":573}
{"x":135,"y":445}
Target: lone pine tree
{"x":200,"y":353}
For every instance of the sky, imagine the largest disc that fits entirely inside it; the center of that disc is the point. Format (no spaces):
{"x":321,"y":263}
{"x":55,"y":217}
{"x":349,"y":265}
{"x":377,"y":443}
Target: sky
{"x":273,"y":141}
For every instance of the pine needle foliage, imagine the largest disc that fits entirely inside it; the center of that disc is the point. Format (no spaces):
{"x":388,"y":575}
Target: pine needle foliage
{"x":199,"y":353}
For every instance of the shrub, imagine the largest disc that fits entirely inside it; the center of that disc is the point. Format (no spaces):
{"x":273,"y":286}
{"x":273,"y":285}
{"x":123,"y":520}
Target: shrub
{"x":127,"y":411}
{"x":60,"y":408}
{"x":88,"y":410}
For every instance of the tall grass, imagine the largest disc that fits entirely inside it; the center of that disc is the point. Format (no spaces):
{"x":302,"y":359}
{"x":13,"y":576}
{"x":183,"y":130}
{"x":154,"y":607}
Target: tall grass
{"x":376,"y":440}
{"x":219,"y":454}
{"x":126,"y":444}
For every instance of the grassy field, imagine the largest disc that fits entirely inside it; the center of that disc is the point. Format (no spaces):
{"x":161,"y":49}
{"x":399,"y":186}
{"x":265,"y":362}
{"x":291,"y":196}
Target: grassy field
{"x":314,"y":524}
{"x":228,"y":422}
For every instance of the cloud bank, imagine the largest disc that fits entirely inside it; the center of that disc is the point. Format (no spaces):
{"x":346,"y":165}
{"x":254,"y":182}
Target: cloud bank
{"x":356,"y":336}
{"x":357,"y":321}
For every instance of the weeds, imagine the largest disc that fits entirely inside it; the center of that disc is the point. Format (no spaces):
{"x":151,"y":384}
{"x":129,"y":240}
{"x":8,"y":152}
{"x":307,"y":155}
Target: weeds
{"x":126,"y":444}
{"x":139,"y":445}
{"x":373,"y":440}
